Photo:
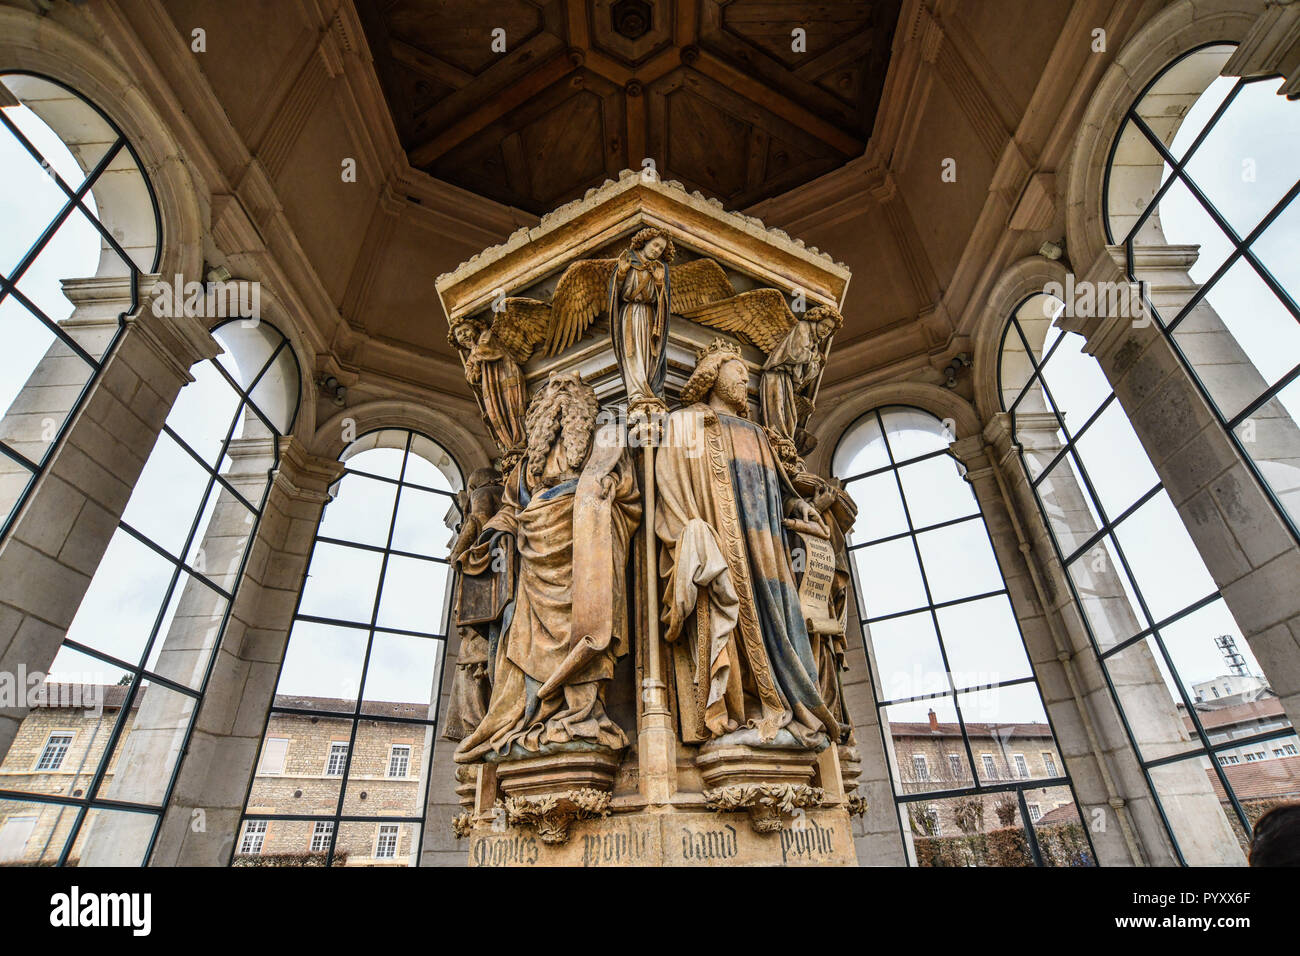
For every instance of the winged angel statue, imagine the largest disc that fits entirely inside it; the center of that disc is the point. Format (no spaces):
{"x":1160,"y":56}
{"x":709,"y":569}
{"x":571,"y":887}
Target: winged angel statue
{"x":638,"y":290}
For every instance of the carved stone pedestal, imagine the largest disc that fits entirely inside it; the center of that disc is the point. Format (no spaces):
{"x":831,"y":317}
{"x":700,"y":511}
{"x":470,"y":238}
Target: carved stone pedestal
{"x":547,"y":793}
{"x":771,"y":783}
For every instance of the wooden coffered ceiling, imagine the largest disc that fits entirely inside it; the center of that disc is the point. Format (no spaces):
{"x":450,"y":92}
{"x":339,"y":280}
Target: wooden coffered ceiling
{"x":711,"y":91}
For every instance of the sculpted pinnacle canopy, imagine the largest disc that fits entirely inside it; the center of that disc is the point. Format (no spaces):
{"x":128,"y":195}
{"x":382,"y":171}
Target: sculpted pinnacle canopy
{"x":650,"y":579}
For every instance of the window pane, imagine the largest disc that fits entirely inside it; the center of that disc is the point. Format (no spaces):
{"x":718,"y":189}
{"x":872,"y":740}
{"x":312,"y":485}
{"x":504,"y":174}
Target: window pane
{"x":936,"y":492}
{"x":403,"y":674}
{"x":341,"y":583}
{"x":322,"y":667}
{"x":889,"y":577}
{"x":880,"y":507}
{"x":361,"y":511}
{"x":1163,"y":558}
{"x":413,"y":595}
{"x":907,"y":657}
{"x":959,"y":561}
{"x":983,"y":642}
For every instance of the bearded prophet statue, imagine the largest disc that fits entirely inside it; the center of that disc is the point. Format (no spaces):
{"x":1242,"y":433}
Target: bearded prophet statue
{"x":568,"y":511}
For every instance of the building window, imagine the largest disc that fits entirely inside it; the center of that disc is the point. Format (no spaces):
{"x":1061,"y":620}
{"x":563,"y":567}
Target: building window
{"x":1203,"y":197}
{"x":990,"y":768}
{"x":399,"y":760}
{"x":1035,"y":812}
{"x":321,"y":832}
{"x":365,"y":651}
{"x":1153,"y":614}
{"x":1049,"y":765}
{"x":56,"y":748}
{"x":947,"y":657}
{"x":146,"y":632}
{"x":386,"y":847}
{"x":1022,"y":766}
{"x":273,"y":755}
{"x":1289,"y":750}
{"x":338,"y":759}
{"x":66,"y":243}
{"x":254,"y":835}
{"x":954,"y":766}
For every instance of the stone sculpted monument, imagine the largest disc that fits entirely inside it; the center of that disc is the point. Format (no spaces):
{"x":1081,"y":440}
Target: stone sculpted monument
{"x":652,"y":592}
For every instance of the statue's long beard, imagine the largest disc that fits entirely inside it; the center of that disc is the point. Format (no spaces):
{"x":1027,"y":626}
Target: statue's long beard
{"x":735,"y":394}
{"x":561,"y":412}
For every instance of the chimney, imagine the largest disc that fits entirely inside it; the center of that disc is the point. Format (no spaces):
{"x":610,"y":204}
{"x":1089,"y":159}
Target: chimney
{"x":934,"y":721}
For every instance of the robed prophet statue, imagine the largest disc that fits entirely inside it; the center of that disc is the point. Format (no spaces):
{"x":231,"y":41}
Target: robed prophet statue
{"x":731,"y":604}
{"x":568,"y":510}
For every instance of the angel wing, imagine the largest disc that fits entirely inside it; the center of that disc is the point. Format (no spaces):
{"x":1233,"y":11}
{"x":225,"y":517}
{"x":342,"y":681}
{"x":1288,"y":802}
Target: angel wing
{"x":760,"y":317}
{"x":581,"y":294}
{"x":698,"y":283}
{"x":520,"y":326}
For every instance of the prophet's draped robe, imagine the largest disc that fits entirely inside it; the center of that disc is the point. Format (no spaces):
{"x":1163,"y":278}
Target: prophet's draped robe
{"x":719,"y":517}
{"x":569,"y":624}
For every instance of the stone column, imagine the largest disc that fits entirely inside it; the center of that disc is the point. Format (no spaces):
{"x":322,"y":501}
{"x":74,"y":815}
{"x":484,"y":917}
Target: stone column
{"x":200,"y":823}
{"x":56,"y":543}
{"x":1099,"y":757}
{"x":1245,"y":543}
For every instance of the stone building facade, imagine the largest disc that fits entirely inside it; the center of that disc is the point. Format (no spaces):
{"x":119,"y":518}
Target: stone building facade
{"x":1001,"y":168}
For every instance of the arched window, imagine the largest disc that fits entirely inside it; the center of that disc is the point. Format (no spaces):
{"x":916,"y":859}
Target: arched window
{"x":978,"y":776}
{"x":128,"y":681}
{"x":1191,"y":694}
{"x":80,"y":228}
{"x":1202,"y":192}
{"x":344,"y":767}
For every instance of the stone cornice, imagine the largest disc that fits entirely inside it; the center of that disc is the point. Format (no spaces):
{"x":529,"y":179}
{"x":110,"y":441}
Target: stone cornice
{"x":770,"y":255}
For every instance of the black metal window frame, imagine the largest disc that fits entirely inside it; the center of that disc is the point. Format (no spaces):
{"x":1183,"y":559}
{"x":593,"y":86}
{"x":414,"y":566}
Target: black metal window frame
{"x":74,"y":201}
{"x":1241,"y":249}
{"x":1148,"y":626}
{"x":980,"y":786}
{"x":182,"y":574}
{"x":357,"y":714}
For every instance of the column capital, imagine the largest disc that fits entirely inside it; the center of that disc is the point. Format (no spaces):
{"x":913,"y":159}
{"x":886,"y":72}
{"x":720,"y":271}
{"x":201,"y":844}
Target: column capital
{"x":178,"y":340}
{"x":303,"y":476}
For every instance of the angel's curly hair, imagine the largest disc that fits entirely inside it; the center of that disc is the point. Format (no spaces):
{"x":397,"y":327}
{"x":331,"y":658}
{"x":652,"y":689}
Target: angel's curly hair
{"x":643,"y":236}
{"x":823,"y":313}
{"x":707,"y":366}
{"x":567,"y":405}
{"x":476,"y":324}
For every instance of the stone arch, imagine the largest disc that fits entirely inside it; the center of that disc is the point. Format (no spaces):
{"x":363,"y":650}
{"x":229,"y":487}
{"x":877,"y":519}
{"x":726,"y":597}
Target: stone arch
{"x":276,"y":312}
{"x":941,"y":402}
{"x":1022,"y":279}
{"x":1181,"y":27}
{"x":37,"y":45}
{"x":328,"y":441}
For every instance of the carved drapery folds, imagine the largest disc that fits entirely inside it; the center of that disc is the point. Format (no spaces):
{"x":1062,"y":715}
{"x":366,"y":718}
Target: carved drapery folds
{"x":653,"y":557}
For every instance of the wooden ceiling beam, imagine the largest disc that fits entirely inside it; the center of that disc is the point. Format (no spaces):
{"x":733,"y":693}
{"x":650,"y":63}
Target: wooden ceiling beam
{"x":528,"y":86}
{"x":432,"y":67}
{"x":747,"y":86}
